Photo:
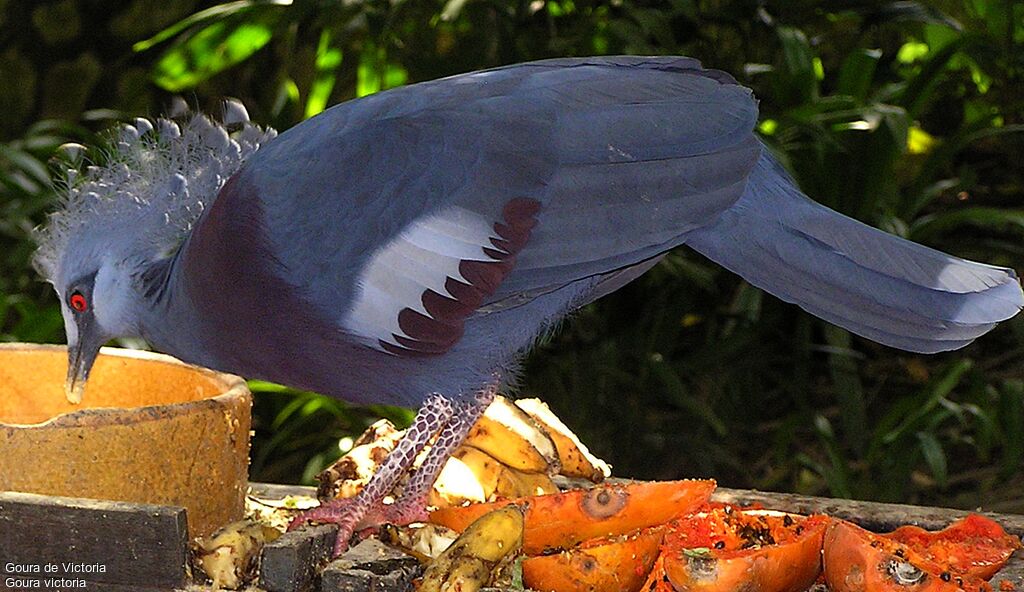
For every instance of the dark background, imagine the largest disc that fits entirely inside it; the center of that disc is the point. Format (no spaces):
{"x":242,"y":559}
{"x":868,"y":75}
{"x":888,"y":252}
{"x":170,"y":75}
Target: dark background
{"x":907,"y":115}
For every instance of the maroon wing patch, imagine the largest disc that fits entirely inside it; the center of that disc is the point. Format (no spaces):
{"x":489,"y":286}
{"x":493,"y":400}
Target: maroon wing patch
{"x":436,"y":332}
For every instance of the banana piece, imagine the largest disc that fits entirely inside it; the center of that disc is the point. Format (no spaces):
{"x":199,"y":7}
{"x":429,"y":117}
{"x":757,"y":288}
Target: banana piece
{"x":513,"y":438}
{"x":229,"y":556}
{"x":469,"y":475}
{"x":467,"y":565}
{"x":352,"y":472}
{"x":577,"y":461}
{"x":513,"y":483}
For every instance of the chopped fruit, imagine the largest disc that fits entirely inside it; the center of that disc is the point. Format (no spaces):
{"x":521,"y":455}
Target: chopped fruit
{"x":856,"y":560}
{"x":611,"y":564}
{"x":511,"y":436}
{"x":729,"y":549}
{"x":577,"y":461}
{"x":973,"y":546}
{"x":469,"y":563}
{"x":560,"y":521}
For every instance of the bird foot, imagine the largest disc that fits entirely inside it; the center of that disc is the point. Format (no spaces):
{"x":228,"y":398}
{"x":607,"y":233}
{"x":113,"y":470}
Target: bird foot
{"x":345,"y":513}
{"x":401,"y":512}
{"x":353,"y":520}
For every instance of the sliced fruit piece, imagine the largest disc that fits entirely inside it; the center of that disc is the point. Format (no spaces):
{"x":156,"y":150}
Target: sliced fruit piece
{"x":469,"y":475}
{"x":856,"y":560}
{"x":974,"y":546}
{"x":609,"y":564}
{"x":468,"y":563}
{"x":561,"y":520}
{"x":350,"y":473}
{"x":512,"y":437}
{"x":729,"y":549}
{"x":657,"y":580}
{"x":577,"y":461}
{"x":229,"y":556}
{"x":512,"y":483}
{"x":472,"y":475}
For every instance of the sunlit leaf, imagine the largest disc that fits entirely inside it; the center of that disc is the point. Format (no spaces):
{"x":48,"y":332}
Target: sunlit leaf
{"x":328,"y":60}
{"x":221,"y":11}
{"x":912,"y":51}
{"x":208,"y":52}
{"x":919,"y":91}
{"x":452,"y":9}
{"x":919,"y":141}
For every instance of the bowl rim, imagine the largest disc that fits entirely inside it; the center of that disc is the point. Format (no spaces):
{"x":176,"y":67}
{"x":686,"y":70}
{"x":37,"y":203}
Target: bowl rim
{"x":234,"y":388}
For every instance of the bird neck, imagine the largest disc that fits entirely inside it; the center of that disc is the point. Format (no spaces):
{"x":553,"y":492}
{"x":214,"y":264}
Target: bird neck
{"x":169,"y":323}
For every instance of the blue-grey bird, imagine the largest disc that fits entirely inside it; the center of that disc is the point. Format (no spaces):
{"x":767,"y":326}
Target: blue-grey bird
{"x":407,"y":247}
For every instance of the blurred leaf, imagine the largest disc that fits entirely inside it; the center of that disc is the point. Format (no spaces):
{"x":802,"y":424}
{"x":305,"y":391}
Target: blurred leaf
{"x":795,"y":81}
{"x":929,"y":399}
{"x":912,"y":51}
{"x":328,"y":60}
{"x":1011,"y":416}
{"x":857,"y":72}
{"x":208,"y":52}
{"x":919,"y":141}
{"x":934,"y":456}
{"x":915,"y":12}
{"x":849,"y":389}
{"x":215,"y":13}
{"x":927,"y":228}
{"x":837,"y":476}
{"x":920,"y":90}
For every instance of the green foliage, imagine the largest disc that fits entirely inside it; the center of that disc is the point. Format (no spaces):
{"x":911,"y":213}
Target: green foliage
{"x":906,"y":115}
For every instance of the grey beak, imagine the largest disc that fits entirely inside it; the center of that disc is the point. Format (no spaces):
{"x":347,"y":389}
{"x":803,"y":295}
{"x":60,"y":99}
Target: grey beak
{"x":81,"y":356}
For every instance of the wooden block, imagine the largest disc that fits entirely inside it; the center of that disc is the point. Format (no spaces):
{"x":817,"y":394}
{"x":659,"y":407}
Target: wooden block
{"x":292,"y":563}
{"x":107,"y":545}
{"x":370,"y":566}
{"x":875,"y":516}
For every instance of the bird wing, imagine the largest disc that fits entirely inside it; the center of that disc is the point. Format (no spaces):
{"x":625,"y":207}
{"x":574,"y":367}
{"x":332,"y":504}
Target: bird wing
{"x":424,"y":203}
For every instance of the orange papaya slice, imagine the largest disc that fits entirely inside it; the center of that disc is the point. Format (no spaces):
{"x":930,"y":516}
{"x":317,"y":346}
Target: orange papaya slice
{"x":609,"y":564}
{"x":560,"y":521}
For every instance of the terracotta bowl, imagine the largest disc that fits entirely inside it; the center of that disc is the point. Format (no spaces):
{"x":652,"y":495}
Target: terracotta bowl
{"x":150,"y":429}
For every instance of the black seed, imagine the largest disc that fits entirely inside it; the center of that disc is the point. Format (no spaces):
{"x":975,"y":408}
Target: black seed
{"x":720,"y":545}
{"x":945,"y":576}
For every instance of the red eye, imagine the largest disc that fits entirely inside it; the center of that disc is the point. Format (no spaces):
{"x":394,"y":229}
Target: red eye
{"x":78,"y":302}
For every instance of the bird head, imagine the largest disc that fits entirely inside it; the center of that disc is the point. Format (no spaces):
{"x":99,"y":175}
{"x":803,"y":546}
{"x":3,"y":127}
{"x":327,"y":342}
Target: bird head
{"x":98,"y":304}
{"x":119,"y":220}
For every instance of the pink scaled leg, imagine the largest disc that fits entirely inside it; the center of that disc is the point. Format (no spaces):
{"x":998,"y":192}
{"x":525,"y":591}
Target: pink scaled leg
{"x":411,"y":506}
{"x":350,"y":514}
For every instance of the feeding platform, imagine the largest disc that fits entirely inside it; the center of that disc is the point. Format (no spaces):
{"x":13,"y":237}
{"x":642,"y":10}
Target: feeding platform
{"x":110,"y":496}
{"x":122,"y":547}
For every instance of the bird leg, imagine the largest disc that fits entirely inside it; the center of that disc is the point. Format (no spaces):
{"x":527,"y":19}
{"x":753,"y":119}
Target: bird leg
{"x":411,"y":506}
{"x":349,"y":514}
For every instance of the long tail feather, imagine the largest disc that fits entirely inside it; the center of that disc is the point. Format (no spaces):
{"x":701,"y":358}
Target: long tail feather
{"x":870,"y":282}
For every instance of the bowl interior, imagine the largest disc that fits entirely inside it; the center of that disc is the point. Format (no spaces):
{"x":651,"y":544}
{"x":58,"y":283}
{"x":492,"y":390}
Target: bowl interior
{"x":32,"y":382}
